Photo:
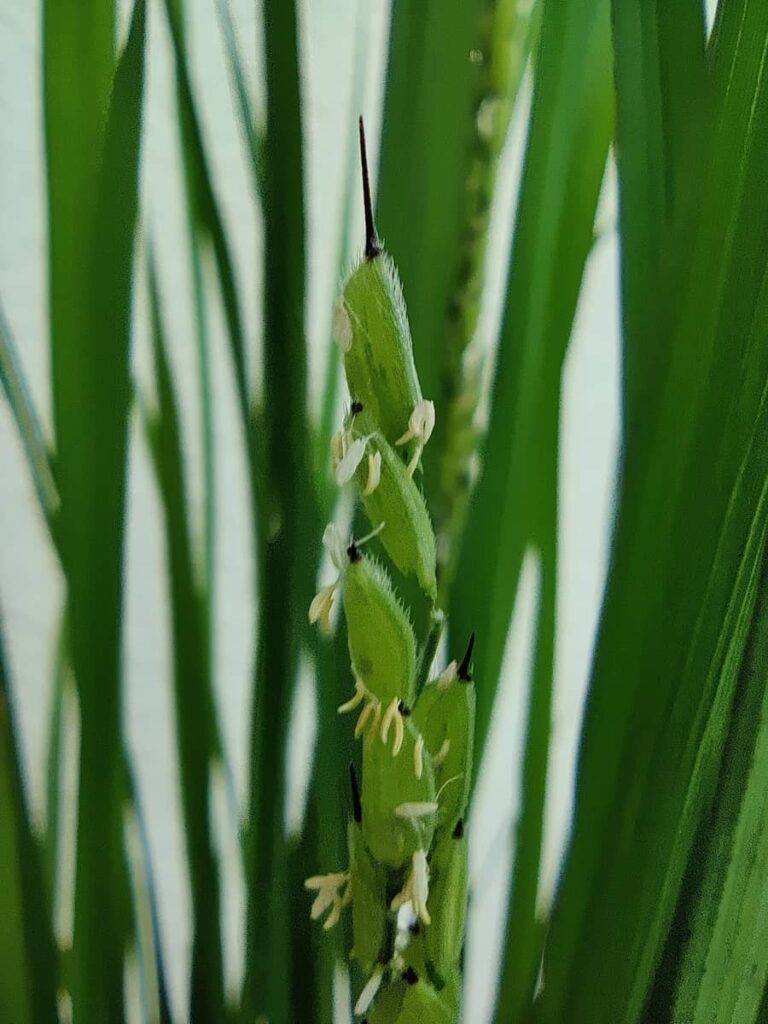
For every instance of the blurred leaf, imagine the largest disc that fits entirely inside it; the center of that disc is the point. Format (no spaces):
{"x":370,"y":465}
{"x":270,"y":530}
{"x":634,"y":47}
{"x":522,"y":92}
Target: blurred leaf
{"x":571,"y":123}
{"x":516,"y":498}
{"x":27,"y":957}
{"x":428,"y":127}
{"x":288,"y":557}
{"x":53,"y":761}
{"x":723,"y":965}
{"x":207,"y":228}
{"x":92,"y":207}
{"x":204,"y":207}
{"x":146,"y":927}
{"x":349,"y":250}
{"x":195,"y":712}
{"x":664,"y":108}
{"x":508,"y":33}
{"x":28,"y":426}
{"x":253,"y":135}
{"x":689,"y":539}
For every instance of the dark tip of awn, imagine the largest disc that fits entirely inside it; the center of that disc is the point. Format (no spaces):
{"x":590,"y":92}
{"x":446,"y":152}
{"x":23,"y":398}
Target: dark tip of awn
{"x":458,"y":830}
{"x":356,"y":408}
{"x":403,"y":708}
{"x":465,"y":668}
{"x":372,"y":247}
{"x":410,"y":977}
{"x":357,"y":807}
{"x":353,"y":552}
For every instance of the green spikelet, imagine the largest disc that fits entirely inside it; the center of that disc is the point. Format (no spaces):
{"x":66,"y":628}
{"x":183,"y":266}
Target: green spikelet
{"x":445,"y":715}
{"x":444,"y":938}
{"x":382,"y":646}
{"x":378,"y":361}
{"x":391,"y":497}
{"x":369,"y":906}
{"x":390,"y":789}
{"x":407,"y":875}
{"x":373,"y":333}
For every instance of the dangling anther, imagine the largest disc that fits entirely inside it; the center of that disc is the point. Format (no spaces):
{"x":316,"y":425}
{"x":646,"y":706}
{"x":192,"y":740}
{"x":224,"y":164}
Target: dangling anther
{"x":372,"y":247}
{"x":464,"y":671}
{"x":357,"y":807}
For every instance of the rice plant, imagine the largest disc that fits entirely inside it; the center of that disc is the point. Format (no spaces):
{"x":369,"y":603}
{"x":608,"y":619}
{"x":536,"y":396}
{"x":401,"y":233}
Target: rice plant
{"x":390,"y":521}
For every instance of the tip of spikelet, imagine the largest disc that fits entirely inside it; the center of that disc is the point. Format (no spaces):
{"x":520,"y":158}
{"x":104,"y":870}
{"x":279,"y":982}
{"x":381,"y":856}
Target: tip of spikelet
{"x":372,"y":247}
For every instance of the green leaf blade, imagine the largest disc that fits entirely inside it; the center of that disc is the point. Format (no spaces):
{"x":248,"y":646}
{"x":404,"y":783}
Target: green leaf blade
{"x":197,"y":733}
{"x":93,"y":196}
{"x":28,"y":974}
{"x":690,"y":528}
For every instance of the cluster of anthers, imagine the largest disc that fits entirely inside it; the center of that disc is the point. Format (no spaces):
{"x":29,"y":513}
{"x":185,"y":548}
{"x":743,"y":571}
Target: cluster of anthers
{"x":371,"y":717}
{"x":420,"y":427}
{"x":347,"y":452}
{"x":334,"y":891}
{"x":322,"y":603}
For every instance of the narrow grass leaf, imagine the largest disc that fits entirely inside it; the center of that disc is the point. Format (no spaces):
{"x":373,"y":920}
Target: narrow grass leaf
{"x":516,"y":499}
{"x":195,"y":713}
{"x":723,"y":967}
{"x":252,"y":133}
{"x":92,"y":202}
{"x":28,"y":426}
{"x":61,"y":670}
{"x":146,"y":926}
{"x":663,"y":112}
{"x":27,"y":958}
{"x":289,"y":555}
{"x":204,"y":206}
{"x":571,"y":125}
{"x":689,"y":536}
{"x":524,"y":934}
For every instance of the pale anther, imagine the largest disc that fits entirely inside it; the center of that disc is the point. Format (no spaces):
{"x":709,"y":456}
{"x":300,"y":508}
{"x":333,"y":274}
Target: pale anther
{"x":320,"y":608}
{"x":332,"y":891}
{"x":362,"y":721}
{"x":412,"y":811}
{"x":370,"y":989}
{"x":337,"y":450}
{"x":335,"y":546}
{"x":421,"y":423}
{"x":360,"y":694}
{"x":353,"y":456}
{"x":342,"y":327}
{"x":442,"y":753}
{"x":374,"y":474}
{"x":399,"y":735}
{"x":416,"y":888}
{"x":389,"y":716}
{"x":418,"y":757}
